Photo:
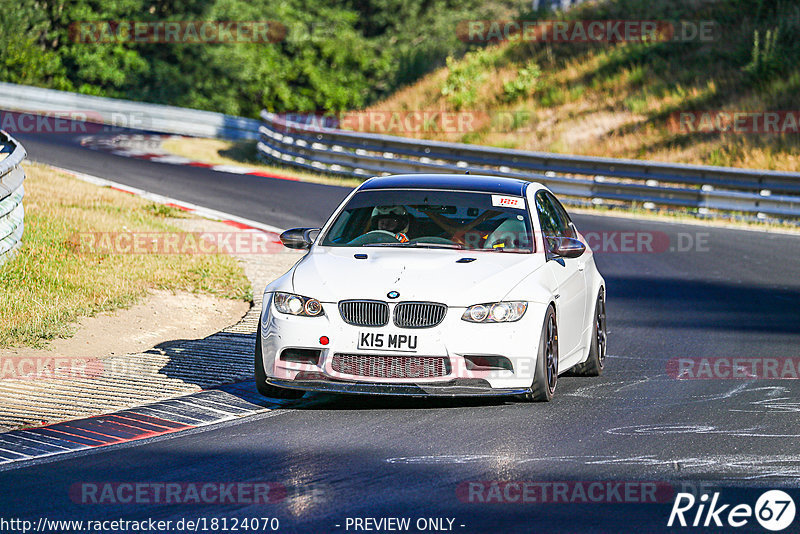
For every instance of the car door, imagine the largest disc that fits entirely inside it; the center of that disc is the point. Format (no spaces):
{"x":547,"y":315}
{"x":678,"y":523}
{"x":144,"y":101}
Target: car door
{"x":588,"y":308}
{"x":567,"y":272}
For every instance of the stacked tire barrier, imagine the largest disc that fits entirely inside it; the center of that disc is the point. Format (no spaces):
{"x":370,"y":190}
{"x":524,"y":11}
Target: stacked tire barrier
{"x":11,"y":192}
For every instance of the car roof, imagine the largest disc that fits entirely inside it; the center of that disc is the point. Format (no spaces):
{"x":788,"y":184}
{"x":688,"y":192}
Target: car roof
{"x":459,"y":182}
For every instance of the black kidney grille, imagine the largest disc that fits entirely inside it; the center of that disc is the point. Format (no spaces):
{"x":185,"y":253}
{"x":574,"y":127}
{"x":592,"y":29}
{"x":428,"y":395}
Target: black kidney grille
{"x":364,"y":312}
{"x":419,"y":314}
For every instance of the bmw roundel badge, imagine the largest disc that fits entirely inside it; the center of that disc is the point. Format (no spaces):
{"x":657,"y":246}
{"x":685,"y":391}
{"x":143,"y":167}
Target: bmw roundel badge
{"x":392,"y":294}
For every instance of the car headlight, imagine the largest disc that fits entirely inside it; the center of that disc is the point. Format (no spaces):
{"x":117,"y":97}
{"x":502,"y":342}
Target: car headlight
{"x":297,"y":305}
{"x":495,"y":312}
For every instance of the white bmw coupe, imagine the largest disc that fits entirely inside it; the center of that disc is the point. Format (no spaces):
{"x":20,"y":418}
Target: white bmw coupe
{"x":435,"y":285}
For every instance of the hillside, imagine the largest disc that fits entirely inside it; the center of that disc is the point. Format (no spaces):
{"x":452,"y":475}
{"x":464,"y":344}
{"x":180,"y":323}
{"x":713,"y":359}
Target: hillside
{"x":625,"y":99}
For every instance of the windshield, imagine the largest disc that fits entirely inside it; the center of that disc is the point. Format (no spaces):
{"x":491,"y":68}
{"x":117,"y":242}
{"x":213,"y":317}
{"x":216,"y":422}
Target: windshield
{"x":432,"y":219}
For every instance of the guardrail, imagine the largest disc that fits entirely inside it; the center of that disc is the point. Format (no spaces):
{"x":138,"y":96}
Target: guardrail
{"x":126,"y":113}
{"x":704,"y":189}
{"x":11,"y":193}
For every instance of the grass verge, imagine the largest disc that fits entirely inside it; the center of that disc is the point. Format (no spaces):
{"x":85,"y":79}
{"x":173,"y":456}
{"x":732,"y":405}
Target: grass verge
{"x":48,"y":284}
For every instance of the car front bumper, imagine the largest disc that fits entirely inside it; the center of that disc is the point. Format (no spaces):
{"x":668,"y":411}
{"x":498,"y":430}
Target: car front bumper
{"x":453,"y":339}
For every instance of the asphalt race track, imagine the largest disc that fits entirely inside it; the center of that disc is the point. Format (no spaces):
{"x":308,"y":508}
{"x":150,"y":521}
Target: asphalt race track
{"x":719,"y":293}
{"x":286,"y":204}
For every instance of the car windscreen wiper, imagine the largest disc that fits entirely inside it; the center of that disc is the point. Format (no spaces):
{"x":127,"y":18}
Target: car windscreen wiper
{"x":415,"y":244}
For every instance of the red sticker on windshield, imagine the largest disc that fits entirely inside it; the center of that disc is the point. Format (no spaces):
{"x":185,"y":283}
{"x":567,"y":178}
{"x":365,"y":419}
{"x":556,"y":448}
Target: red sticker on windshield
{"x":508,"y":202}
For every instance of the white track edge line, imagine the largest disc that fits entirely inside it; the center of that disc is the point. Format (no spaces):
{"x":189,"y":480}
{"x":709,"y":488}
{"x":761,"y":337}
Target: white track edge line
{"x":202,"y":211}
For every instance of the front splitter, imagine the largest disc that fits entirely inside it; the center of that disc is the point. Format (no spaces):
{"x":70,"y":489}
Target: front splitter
{"x":472,"y":387}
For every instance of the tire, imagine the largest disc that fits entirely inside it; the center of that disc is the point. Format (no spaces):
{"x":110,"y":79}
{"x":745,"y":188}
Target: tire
{"x":593,"y":366}
{"x":545,"y":378}
{"x":268,"y":390}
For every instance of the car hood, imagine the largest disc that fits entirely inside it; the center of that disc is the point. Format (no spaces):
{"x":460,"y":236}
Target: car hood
{"x":331,"y":274}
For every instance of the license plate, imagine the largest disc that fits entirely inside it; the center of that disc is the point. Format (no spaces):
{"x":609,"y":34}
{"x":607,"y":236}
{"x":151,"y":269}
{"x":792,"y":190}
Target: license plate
{"x":386,"y":341}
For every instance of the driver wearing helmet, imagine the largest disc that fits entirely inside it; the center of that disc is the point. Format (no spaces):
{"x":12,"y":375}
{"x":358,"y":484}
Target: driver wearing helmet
{"x":392,"y":219}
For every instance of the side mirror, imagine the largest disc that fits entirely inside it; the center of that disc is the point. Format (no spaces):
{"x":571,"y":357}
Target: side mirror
{"x":299,"y":238}
{"x":566,"y":247}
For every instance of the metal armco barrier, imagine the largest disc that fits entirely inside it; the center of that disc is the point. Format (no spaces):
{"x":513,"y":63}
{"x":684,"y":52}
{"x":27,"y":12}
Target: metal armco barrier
{"x":597,"y":180}
{"x":11,"y":193}
{"x":125,"y":113}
